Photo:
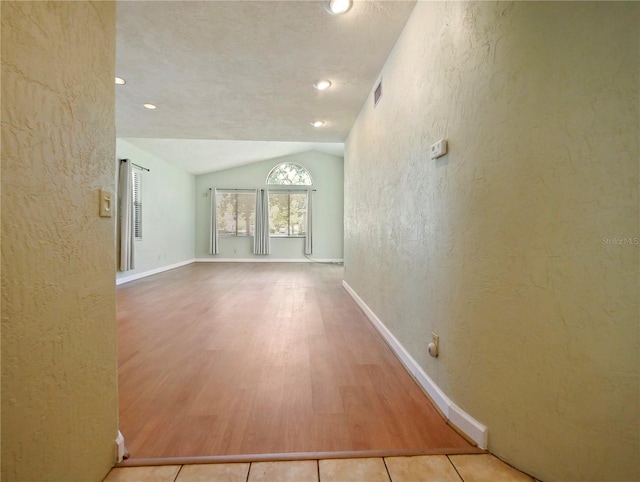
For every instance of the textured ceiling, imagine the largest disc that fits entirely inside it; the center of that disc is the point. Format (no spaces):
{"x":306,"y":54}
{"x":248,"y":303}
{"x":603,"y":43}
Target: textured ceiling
{"x":243,"y":70}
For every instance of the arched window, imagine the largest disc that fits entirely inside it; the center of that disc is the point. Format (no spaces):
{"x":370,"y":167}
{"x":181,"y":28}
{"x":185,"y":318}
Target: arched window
{"x":289,"y":174}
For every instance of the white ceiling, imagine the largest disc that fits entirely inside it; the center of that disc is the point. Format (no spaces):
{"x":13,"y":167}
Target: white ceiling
{"x":233,"y":79}
{"x":199,"y":156}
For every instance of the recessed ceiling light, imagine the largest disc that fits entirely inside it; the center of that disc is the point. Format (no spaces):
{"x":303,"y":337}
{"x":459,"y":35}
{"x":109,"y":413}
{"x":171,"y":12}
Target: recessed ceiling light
{"x":322,"y":84}
{"x":337,"y":7}
{"x":150,"y":106}
{"x":120,"y":81}
{"x":317,"y":123}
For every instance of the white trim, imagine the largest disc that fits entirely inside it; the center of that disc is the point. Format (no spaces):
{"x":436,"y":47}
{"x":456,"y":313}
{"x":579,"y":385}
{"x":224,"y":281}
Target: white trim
{"x":458,"y":417}
{"x":144,"y":274}
{"x":122,"y":450}
{"x":266,"y":260}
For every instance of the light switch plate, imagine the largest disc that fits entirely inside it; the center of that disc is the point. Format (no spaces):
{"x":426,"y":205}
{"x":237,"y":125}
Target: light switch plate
{"x":105,"y":204}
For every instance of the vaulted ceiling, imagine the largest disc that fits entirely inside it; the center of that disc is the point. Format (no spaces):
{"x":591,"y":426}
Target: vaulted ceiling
{"x":233,"y":80}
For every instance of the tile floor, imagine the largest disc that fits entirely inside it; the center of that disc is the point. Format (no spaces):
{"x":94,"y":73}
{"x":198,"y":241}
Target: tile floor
{"x":440,"y":468}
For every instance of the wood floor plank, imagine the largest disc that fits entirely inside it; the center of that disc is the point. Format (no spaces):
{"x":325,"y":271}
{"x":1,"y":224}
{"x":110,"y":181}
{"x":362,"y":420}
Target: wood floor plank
{"x":221,"y":359}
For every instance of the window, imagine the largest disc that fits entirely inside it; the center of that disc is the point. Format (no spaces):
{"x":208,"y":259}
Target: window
{"x":236,"y":213}
{"x":137,"y":203}
{"x":288,"y":210}
{"x":290,"y":174}
{"x":287,"y":214}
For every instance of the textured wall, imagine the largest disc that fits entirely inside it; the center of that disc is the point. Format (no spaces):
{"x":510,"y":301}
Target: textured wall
{"x":59,"y":393}
{"x":328,"y":178}
{"x":507,"y":247}
{"x":168,"y":212}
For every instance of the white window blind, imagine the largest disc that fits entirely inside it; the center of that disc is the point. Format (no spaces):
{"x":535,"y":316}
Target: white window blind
{"x":137,"y":203}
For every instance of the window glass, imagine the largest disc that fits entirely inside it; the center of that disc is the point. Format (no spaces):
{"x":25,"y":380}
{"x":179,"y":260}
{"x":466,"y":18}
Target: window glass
{"x":287,"y":214}
{"x":290,"y":174}
{"x":236,"y":213}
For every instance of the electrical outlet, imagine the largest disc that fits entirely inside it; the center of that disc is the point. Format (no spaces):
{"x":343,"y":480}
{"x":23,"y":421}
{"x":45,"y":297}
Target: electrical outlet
{"x":434,"y":346}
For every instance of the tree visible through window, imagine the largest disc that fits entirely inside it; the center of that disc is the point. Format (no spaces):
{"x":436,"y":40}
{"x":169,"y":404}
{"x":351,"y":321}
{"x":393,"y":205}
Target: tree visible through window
{"x":287,"y":214}
{"x":288,"y":211}
{"x":235,"y":213}
{"x":290,"y":174}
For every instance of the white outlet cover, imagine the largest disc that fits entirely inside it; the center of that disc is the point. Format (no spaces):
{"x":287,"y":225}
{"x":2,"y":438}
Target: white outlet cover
{"x":439,"y":149}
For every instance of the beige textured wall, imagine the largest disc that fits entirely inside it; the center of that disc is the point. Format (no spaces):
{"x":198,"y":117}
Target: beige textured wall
{"x":59,"y":393}
{"x":506,"y":246}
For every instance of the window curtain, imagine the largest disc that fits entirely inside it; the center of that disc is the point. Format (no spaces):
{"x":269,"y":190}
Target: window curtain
{"x":213,"y":223}
{"x":261,"y":234}
{"x":308,"y":242}
{"x":125,"y":211}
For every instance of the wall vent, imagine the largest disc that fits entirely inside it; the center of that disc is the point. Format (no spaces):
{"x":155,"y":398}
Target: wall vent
{"x":377,"y":93}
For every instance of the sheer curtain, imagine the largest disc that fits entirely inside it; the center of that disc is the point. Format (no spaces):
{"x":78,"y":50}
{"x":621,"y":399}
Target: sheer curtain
{"x":125,"y":212}
{"x":213,"y":223}
{"x":261,"y":234}
{"x":308,"y":242}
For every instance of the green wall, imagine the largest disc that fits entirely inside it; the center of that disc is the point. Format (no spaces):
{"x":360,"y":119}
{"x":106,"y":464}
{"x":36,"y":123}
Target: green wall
{"x":506,"y":247}
{"x":327,"y":174}
{"x":168,"y":213}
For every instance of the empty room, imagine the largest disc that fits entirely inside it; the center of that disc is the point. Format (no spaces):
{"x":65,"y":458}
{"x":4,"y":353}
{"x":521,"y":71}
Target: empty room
{"x":320,"y":241}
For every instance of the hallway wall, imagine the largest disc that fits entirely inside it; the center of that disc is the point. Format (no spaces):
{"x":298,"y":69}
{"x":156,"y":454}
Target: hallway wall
{"x":59,"y":390}
{"x":519,"y":248}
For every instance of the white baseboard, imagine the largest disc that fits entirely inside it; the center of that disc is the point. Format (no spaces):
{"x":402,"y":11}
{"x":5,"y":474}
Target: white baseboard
{"x":133,"y":277}
{"x":144,"y":274}
{"x":462,"y":420}
{"x":122,"y":450}
{"x":266,"y":260}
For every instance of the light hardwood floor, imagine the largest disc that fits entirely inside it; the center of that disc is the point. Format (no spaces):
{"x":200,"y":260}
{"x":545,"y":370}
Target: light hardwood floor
{"x":260,"y":358}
